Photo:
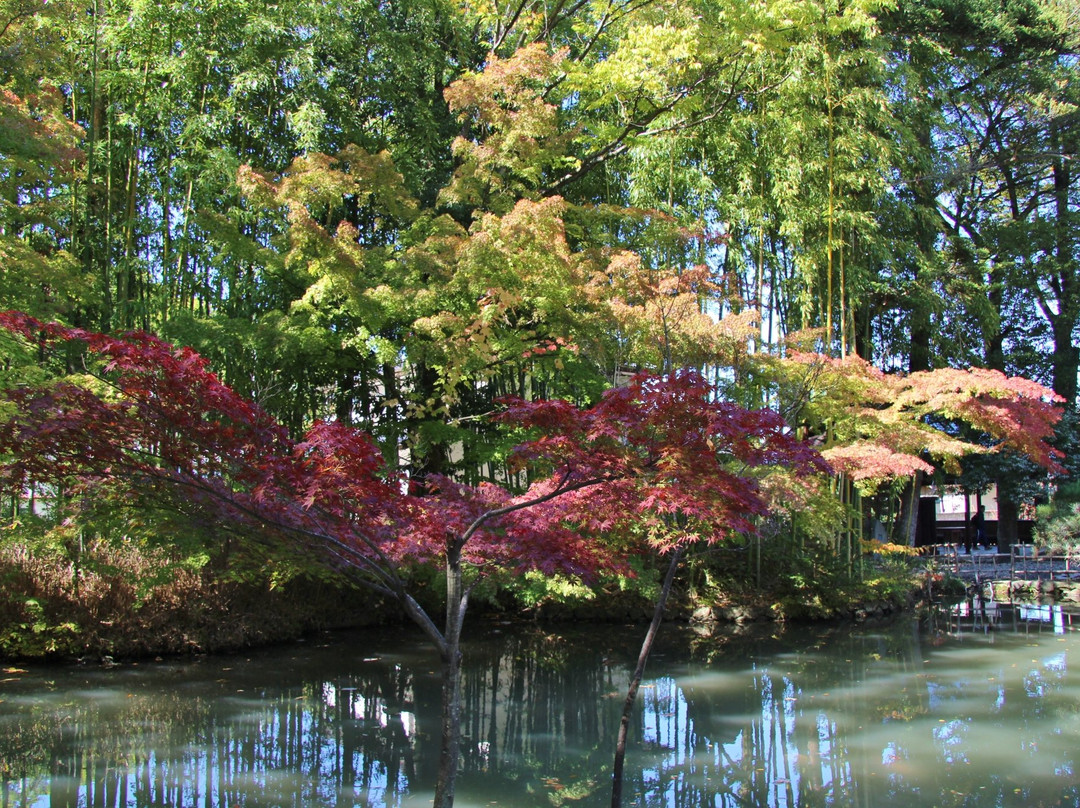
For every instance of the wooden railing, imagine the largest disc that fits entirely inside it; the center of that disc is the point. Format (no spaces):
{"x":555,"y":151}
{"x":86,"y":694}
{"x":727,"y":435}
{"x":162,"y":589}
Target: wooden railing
{"x":1022,"y":561}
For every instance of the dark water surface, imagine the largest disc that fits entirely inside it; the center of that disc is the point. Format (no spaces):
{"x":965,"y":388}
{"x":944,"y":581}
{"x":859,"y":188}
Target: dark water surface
{"x":971,"y":709}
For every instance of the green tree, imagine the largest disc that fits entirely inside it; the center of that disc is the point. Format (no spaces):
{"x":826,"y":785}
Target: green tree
{"x":987,"y":88}
{"x":40,"y":156}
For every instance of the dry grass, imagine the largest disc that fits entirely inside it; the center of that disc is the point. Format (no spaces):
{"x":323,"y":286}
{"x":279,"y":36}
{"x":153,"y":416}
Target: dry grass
{"x":128,"y":601}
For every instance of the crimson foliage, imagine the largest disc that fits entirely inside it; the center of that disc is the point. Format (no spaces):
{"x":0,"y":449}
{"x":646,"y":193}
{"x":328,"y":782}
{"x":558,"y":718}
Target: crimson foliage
{"x":152,"y":420}
{"x":660,"y":453}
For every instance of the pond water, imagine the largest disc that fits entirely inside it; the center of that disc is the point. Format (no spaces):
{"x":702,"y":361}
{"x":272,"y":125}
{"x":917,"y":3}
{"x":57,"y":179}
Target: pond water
{"x":973,"y":708}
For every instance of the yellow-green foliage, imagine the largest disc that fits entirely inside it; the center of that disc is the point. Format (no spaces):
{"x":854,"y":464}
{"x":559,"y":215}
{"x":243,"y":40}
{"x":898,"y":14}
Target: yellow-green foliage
{"x":888,"y":549}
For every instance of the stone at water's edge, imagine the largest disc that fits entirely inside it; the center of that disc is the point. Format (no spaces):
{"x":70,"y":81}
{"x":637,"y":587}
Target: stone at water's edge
{"x":1055,"y":590}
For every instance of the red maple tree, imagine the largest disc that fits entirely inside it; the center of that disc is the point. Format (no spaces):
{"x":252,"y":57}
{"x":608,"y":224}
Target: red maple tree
{"x":152,"y":419}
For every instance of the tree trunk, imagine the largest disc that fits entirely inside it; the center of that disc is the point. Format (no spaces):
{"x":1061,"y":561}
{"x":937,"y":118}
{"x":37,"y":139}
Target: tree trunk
{"x":1007,"y":522}
{"x":635,"y":682}
{"x":907,"y":523}
{"x":449,"y":751}
{"x":925,"y":233}
{"x":1066,"y":357}
{"x":427,"y":456}
{"x":861,"y":335}
{"x":993,"y":333}
{"x":94,"y":217}
{"x":1066,"y":361}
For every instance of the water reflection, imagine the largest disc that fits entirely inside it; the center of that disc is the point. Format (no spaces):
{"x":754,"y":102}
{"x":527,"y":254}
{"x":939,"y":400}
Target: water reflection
{"x":983,"y":614}
{"x":977,"y":707}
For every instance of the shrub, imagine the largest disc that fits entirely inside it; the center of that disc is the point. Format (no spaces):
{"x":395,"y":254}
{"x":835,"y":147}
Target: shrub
{"x":1059,"y":521}
{"x":127,"y":600}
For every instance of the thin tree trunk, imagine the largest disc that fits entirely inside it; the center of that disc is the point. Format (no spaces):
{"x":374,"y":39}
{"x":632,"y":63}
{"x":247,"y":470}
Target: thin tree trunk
{"x":635,"y":682}
{"x":831,"y":167}
{"x":449,"y":752}
{"x":93,"y":218}
{"x":1066,"y":357}
{"x":908,"y":520}
{"x":127,"y":282}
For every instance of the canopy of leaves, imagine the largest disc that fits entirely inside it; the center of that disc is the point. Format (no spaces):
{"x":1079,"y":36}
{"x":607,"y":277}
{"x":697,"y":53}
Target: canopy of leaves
{"x":153,"y":419}
{"x":877,"y":426}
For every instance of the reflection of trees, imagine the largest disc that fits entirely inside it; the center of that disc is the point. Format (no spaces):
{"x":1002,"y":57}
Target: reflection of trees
{"x":541,"y":711}
{"x":176,"y":749}
{"x":751,"y":741}
{"x":81,"y":747}
{"x":25,"y":741}
{"x":536,"y":717}
{"x":749,"y":747}
{"x":749,"y":725}
{"x":927,"y":732}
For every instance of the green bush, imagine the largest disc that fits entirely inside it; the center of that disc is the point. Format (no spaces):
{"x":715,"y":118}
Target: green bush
{"x":1059,"y":521}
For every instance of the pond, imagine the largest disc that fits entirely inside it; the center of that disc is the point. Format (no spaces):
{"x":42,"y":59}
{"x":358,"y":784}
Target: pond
{"x":973,"y":708}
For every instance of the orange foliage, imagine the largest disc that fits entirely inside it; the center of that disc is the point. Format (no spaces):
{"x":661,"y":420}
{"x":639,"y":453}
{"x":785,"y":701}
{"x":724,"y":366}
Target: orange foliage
{"x":879,"y":425}
{"x":664,"y":314}
{"x":870,"y":461}
{"x":512,"y":136}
